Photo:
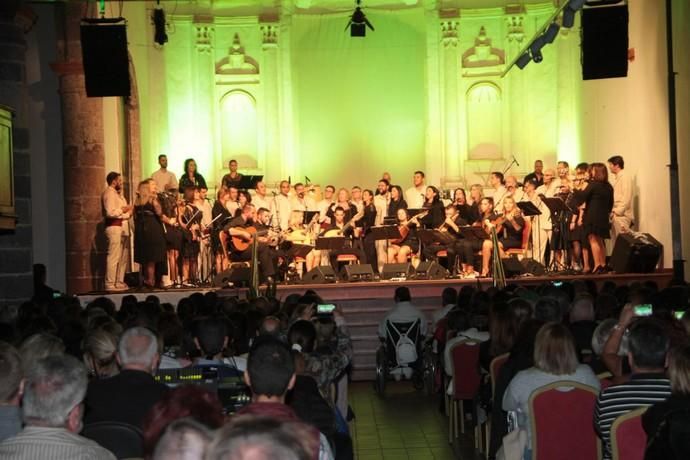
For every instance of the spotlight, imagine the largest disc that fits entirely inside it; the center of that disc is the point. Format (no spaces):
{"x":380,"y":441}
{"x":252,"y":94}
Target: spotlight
{"x":358,"y":22}
{"x":551,"y":33}
{"x":159,"y":35}
{"x":577,"y":4}
{"x":535,"y":49}
{"x":568,"y":17}
{"x":523,"y":61}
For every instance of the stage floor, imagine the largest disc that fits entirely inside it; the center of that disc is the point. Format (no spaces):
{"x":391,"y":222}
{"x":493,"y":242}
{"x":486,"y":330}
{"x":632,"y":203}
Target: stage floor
{"x":366,"y":303}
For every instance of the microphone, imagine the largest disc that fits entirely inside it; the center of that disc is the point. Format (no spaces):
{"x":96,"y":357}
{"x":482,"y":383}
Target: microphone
{"x":516,"y":162}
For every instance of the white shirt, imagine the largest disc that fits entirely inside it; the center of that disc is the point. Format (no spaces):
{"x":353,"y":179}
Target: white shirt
{"x":381,"y":205}
{"x":206,"y":211}
{"x":281,"y":210}
{"x":401,"y":313}
{"x":499,"y":193}
{"x":622,"y":195}
{"x":322,"y":206}
{"x":543,"y":220}
{"x":549,"y":191}
{"x":232,"y":206}
{"x":302,"y":204}
{"x":261,"y":202}
{"x":113,"y":202}
{"x":165,"y":180}
{"x":414,"y":196}
{"x":519,"y":195}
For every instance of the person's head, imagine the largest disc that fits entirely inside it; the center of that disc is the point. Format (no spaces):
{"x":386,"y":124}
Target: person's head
{"x":402,"y":294}
{"x":496,"y":179}
{"x":396,"y":192}
{"x":328,"y":192}
{"x":402,"y":215}
{"x":459,"y":196}
{"x":451,"y":211}
{"x":249,"y":437}
{"x":616,"y":163}
{"x":418,"y":178}
{"x":263,"y":215}
{"x":476,"y":192}
{"x":486,"y":205}
{"x":449,"y":296}
{"x":598,"y":172}
{"x":302,"y":336}
{"x":649,"y":345}
{"x":367,"y":196}
{"x":233,"y":193}
{"x":243,"y":198}
{"x":138,"y":350}
{"x":189,"y":166}
{"x":261,"y":188}
{"x":223,"y":195}
{"x":582,"y":309}
{"x":386,"y":175}
{"x":203,"y":192}
{"x":601,"y":335}
{"x":508,"y":204}
{"x":270,"y":370}
{"x":100,"y":350}
{"x":382,"y":187}
{"x":511,"y":183}
{"x":343,"y":195}
{"x":549,"y":176}
{"x":356,"y":193}
{"x":232,"y":165}
{"x":299,"y":189}
{"x":458,"y":321}
{"x":39,"y":346}
{"x":183,"y":439}
{"x":271,"y":325}
{"x":679,"y":370}
{"x":163,"y":161}
{"x":210,"y":337}
{"x":55,"y":388}
{"x":190,"y":193}
{"x":554,"y":350}
{"x":11,"y":375}
{"x":284,"y":187}
{"x":248,"y":212}
{"x":503,"y":328}
{"x":538,"y":166}
{"x":432,"y":195}
{"x":339,"y":215}
{"x":114,"y":179}
{"x":529,"y":187}
{"x":547,"y":310}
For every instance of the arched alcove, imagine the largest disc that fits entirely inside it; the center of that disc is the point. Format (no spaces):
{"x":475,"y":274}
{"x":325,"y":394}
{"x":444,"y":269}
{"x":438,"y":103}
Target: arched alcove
{"x":484,"y":121}
{"x":239,"y":133}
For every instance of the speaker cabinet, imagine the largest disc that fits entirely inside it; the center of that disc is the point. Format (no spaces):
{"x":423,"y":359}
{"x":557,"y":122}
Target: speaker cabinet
{"x":358,"y":272}
{"x":605,"y":42}
{"x":430,"y":270}
{"x":635,"y":253}
{"x":533,"y":267}
{"x":391,"y":271}
{"x":238,"y":275}
{"x":512,"y":267}
{"x":319,"y":275}
{"x":105,"y":59}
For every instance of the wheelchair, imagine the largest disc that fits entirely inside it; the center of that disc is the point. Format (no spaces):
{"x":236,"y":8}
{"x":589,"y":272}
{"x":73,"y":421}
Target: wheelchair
{"x":389,"y":363}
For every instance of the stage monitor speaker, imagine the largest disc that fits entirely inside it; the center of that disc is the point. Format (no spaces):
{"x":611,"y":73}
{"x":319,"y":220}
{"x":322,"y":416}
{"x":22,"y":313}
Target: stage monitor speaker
{"x":319,"y":275}
{"x":512,"y":267}
{"x":533,"y":267}
{"x":239,"y":275}
{"x":605,"y":42}
{"x":358,"y":272}
{"x":635,"y":253}
{"x":430,"y":270}
{"x":105,"y":59}
{"x":391,"y":271}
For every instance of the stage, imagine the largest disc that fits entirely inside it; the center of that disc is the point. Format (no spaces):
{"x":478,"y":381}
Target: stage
{"x":365,"y":303}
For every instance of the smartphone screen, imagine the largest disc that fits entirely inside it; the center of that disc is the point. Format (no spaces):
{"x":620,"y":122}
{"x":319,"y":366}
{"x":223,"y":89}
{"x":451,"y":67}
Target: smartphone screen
{"x":325,"y":309}
{"x":557,"y":283}
{"x":678,"y":314}
{"x":643,"y":310}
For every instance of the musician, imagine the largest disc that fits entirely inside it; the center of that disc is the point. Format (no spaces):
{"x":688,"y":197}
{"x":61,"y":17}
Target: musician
{"x":190,"y":223}
{"x":302,"y":202}
{"x":117,"y":213}
{"x":365,"y":224}
{"x":267,"y":235}
{"x":340,"y":227}
{"x":191,"y":177}
{"x":564,"y":178}
{"x":240,"y":229}
{"x":381,"y":200}
{"x":397,"y":201}
{"x":323,"y":205}
{"x":233,"y":203}
{"x":537,"y":176}
{"x":578,"y":239}
{"x":465,"y":211}
{"x":401,"y":249}
{"x":476,"y":195}
{"x":356,"y":197}
{"x":281,"y":207}
{"x":466,"y":248}
{"x":514,"y":188}
{"x":260,"y":200}
{"x":173,"y":234}
{"x":497,"y":182}
{"x":233,"y":178}
{"x":622,"y":217}
{"x":243,"y":198}
{"x":149,"y":240}
{"x":304,"y":234}
{"x":343,"y":202}
{"x":451,"y":227}
{"x":550,"y":186}
{"x":415,"y":195}
{"x":219,"y":209}
{"x":165,"y":180}
{"x":205,"y":253}
{"x":433,"y":204}
{"x":598,"y":199}
{"x":541,"y":224}
{"x":508,"y":230}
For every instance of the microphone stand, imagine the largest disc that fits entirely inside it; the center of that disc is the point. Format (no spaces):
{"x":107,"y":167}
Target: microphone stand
{"x":510,"y":165}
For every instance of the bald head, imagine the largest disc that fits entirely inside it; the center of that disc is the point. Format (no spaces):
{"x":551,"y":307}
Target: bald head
{"x":138,"y":349}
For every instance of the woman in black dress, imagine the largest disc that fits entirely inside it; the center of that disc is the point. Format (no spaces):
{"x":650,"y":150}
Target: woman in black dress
{"x":467,"y":213}
{"x":220,"y":208}
{"x":598,"y":199}
{"x":191,"y":177}
{"x":437,"y":212}
{"x":149,"y":239}
{"x":397,"y":201}
{"x":173,"y":233}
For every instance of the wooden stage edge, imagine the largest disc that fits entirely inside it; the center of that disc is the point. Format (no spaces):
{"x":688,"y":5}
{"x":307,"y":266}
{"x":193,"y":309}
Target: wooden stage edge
{"x":384,"y":289}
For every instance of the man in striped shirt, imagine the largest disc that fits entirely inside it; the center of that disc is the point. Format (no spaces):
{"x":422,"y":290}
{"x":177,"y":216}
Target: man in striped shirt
{"x":648,"y":383}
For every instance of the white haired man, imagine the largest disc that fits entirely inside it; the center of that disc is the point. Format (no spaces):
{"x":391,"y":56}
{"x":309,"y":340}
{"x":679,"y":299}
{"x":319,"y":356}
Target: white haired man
{"x":53,"y":409}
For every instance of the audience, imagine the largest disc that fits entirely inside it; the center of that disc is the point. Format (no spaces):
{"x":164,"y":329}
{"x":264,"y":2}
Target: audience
{"x":52,"y":412}
{"x":11,"y":389}
{"x":183,"y":439}
{"x":100,"y":352}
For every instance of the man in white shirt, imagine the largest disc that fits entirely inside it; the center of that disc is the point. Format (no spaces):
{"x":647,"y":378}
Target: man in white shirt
{"x":381,"y":200}
{"x":281,"y":207}
{"x":622,"y":216}
{"x":205,"y":250}
{"x":232,"y":205}
{"x":550,"y":186}
{"x":513,"y":189}
{"x":541,"y":224}
{"x":302,"y":202}
{"x":496,"y":181}
{"x":260,"y":200}
{"x":323,"y":205}
{"x":117,"y":213}
{"x":404,"y":311}
{"x":414,"y":196}
{"x":165,"y":180}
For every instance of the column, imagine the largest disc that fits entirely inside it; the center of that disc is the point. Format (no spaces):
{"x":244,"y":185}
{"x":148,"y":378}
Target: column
{"x":203,"y":68}
{"x":451,"y":126}
{"x":289,"y":156}
{"x":270,"y":78}
{"x":514,"y":93}
{"x":433,"y":165}
{"x":84,"y":164}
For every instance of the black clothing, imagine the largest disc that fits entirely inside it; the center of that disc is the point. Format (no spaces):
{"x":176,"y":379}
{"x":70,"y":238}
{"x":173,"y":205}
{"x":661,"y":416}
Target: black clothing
{"x":264,"y":255}
{"x":307,"y":402}
{"x":436,"y":216}
{"x":368,"y":220}
{"x":196,"y":181}
{"x":667,"y":425}
{"x":149,"y":239}
{"x":228,"y":181}
{"x":190,"y":245}
{"x":430,"y":251}
{"x":531,"y":177}
{"x":466,"y":212}
{"x":350,"y":212}
{"x":509,"y":237}
{"x":598,"y":197}
{"x":173,"y":233}
{"x":218,"y":209}
{"x":393,"y":206}
{"x":349,"y":249}
{"x":125,"y":397}
{"x":582,"y":333}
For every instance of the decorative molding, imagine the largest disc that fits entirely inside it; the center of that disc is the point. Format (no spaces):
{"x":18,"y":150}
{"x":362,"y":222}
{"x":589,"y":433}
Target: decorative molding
{"x":515,"y":28}
{"x":483,"y":59}
{"x":269,"y":34}
{"x":449,"y":33}
{"x":204,"y":38}
{"x":237,"y":62}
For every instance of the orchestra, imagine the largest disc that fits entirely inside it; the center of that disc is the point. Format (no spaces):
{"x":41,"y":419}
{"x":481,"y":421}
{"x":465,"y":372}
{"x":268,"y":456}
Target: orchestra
{"x":201,"y":237}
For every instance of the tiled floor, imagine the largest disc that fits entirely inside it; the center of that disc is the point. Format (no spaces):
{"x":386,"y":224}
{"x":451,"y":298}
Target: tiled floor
{"x":405,"y":424}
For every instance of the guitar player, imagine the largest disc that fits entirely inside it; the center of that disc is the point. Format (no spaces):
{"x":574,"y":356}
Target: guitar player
{"x":341,"y":228}
{"x":241,"y":231}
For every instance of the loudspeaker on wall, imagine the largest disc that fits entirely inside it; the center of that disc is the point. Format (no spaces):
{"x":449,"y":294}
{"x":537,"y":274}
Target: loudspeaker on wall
{"x":105,"y":59}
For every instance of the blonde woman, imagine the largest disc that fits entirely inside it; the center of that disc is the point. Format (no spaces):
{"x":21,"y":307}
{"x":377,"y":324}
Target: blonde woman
{"x":149,"y":238}
{"x":100,"y":348}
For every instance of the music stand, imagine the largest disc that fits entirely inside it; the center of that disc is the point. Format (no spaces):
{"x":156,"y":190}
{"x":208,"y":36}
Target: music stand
{"x":528,"y":208}
{"x":299,"y":250}
{"x":431,"y":236}
{"x":331,"y":243}
{"x":249,"y":182}
{"x":390,"y":220}
{"x":557,"y":207}
{"x":472,"y":232}
{"x":386,"y":232}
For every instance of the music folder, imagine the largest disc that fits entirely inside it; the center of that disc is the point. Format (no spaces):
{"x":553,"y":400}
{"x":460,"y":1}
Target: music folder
{"x":474,"y":233}
{"x":308,"y":216}
{"x":528,"y":208}
{"x":249,"y":182}
{"x":331,"y":242}
{"x":386,"y":232}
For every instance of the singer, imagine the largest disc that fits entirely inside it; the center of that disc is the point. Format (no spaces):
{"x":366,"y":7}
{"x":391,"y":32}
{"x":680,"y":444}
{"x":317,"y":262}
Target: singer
{"x":498,"y":183}
{"x":415,"y":195}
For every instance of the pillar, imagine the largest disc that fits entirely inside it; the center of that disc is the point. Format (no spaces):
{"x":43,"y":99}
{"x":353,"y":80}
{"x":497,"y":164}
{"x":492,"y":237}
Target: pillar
{"x":451,"y":103}
{"x":270,"y":78}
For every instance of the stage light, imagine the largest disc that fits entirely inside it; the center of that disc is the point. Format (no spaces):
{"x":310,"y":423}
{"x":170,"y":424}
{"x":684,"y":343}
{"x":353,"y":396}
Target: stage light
{"x":569,"y":12}
{"x":358,"y":22}
{"x":159,"y":35}
{"x":576,"y":5}
{"x":551,"y":33}
{"x":535,"y":49}
{"x":523,"y":61}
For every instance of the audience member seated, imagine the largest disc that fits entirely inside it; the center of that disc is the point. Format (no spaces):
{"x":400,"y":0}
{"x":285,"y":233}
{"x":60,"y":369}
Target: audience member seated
{"x":211,"y":340}
{"x":39,"y":346}
{"x":270,"y":374}
{"x":189,"y":402}
{"x":555,"y":359}
{"x":599,"y":338}
{"x":100,"y":353}
{"x":183,"y":439}
{"x":52,"y":407}
{"x":647,"y":385}
{"x":667,"y":423}
{"x":11,"y":389}
{"x":582,"y":325}
{"x":127,"y":396}
{"x":503,"y":329}
{"x":404,"y":311}
{"x":460,"y":329}
{"x":449,"y":298}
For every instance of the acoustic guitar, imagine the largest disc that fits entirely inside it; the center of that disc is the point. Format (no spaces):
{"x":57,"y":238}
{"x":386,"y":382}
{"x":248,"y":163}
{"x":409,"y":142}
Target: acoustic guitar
{"x":241,"y":244}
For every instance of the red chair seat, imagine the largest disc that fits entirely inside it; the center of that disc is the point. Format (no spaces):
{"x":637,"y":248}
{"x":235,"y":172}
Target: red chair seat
{"x":628,"y":438}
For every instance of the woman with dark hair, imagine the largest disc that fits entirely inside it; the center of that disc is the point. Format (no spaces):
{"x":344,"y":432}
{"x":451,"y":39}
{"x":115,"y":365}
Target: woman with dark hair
{"x":399,"y":250}
{"x":191,"y":177}
{"x":502,"y":333}
{"x":464,"y":209}
{"x":598,"y":199}
{"x":436,"y":211}
{"x":397,"y":201}
{"x":219,"y":209}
